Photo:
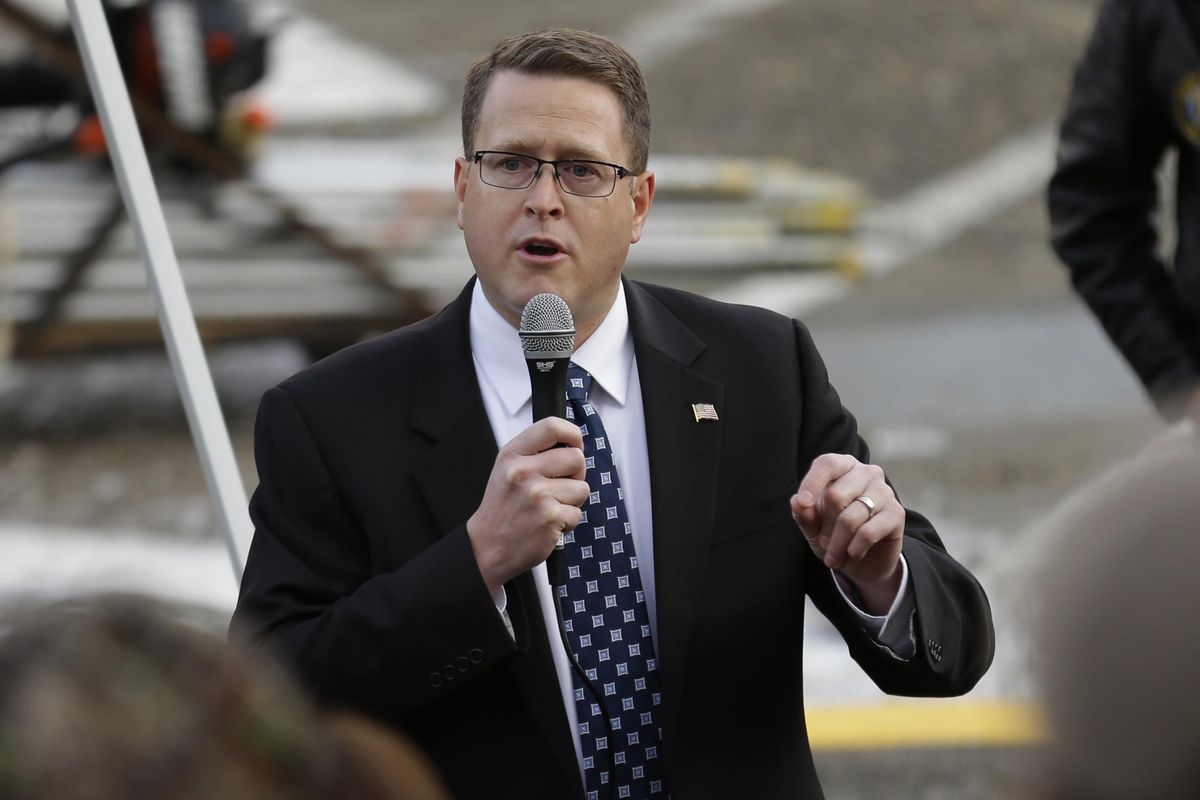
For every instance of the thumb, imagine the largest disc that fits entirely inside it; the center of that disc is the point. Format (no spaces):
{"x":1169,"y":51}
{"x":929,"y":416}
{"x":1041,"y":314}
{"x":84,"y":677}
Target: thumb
{"x":805,"y":512}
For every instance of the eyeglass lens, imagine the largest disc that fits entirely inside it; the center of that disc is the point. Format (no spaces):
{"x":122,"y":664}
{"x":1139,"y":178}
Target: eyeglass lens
{"x":587,"y":178}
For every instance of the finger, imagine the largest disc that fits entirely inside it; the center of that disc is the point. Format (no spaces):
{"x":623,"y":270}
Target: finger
{"x":559,"y":462}
{"x":807,"y":515}
{"x":813,"y":493}
{"x":887,"y":524}
{"x":859,"y":530}
{"x":569,"y":518}
{"x":845,"y":513}
{"x":825,"y":469}
{"x":841,"y":533}
{"x":840,"y":513}
{"x":570,"y":492}
{"x":808,"y":519}
{"x":862,"y":479}
{"x":544,"y":435}
{"x":555,"y":504}
{"x":805,"y":528}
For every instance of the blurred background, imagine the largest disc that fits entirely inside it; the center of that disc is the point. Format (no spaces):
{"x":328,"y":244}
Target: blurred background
{"x":875,"y":171}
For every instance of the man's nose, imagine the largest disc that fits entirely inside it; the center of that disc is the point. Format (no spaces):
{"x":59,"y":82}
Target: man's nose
{"x":544,"y":197}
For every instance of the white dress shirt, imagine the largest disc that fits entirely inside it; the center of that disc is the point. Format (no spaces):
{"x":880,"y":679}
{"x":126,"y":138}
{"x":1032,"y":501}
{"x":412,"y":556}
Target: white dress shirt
{"x":616,"y":395}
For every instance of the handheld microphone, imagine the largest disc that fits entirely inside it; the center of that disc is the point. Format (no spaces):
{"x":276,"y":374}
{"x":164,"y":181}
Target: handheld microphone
{"x":548,"y":338}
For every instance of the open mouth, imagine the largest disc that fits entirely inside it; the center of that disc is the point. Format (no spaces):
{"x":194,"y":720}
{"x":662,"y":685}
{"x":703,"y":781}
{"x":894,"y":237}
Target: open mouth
{"x":533,"y":248}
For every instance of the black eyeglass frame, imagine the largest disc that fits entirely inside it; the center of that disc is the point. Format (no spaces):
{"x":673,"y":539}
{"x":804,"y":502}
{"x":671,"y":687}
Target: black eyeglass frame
{"x":621,"y":172}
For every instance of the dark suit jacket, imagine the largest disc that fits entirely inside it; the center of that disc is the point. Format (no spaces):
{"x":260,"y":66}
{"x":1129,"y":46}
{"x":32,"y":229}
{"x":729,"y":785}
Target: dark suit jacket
{"x":361,"y":574}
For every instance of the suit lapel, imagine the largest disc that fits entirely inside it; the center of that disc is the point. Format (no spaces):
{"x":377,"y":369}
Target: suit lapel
{"x":453,"y":475}
{"x":448,"y":409}
{"x":684,"y":458}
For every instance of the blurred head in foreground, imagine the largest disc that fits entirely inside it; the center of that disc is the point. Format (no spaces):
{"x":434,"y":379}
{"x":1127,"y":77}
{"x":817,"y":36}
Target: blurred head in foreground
{"x":120,"y":697}
{"x":1121,"y":644}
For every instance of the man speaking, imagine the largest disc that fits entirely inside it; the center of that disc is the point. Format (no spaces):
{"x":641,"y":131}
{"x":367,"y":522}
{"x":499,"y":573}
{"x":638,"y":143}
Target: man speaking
{"x":705,"y":480}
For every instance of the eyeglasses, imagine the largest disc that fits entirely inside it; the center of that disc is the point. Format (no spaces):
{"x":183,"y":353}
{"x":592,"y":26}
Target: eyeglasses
{"x":576,"y":176}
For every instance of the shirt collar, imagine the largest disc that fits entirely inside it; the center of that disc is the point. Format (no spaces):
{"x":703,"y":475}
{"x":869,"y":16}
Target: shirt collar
{"x":496,"y":348}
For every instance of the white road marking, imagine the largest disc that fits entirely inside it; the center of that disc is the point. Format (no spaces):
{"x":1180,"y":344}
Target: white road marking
{"x":663,"y":32}
{"x":944,"y":208}
{"x":928,"y":217}
{"x":793,"y":294}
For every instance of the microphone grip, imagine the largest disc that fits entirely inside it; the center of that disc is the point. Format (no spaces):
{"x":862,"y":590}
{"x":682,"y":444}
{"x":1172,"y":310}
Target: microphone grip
{"x":548,"y":380}
{"x":554,"y":569}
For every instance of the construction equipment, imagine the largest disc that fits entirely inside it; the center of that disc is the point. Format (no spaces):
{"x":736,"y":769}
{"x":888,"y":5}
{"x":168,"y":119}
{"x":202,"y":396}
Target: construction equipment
{"x":184,"y":62}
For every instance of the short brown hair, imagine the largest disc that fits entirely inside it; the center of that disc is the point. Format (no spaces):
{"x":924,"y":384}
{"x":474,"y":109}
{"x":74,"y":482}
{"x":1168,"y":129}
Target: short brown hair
{"x":571,"y":53}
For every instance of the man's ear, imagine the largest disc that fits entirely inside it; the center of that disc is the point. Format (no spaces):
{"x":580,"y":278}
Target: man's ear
{"x":643,"y":198}
{"x":462,"y":171}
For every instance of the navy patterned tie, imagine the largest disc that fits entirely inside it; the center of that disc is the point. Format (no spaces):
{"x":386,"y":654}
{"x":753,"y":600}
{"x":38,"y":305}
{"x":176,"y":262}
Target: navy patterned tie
{"x":605,"y":616}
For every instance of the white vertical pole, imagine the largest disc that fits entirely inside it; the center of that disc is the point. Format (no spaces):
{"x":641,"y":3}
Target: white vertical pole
{"x":174,"y":312}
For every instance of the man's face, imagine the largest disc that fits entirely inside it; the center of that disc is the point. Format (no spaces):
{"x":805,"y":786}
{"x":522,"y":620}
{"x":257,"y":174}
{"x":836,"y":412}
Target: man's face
{"x":541,"y":239}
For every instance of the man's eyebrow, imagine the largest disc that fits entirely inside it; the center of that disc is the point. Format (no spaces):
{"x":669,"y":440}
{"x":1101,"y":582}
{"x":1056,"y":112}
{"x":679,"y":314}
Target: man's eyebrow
{"x":569,"y":153}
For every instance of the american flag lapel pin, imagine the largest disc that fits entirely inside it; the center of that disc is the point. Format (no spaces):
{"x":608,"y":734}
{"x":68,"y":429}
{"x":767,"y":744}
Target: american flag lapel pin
{"x":705,"y":411}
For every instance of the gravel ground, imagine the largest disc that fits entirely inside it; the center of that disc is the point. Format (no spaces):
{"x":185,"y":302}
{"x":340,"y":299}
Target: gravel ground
{"x":103,"y":442}
{"x":441,"y":40}
{"x":942,"y":774}
{"x":860,"y":87}
{"x":849,"y":85}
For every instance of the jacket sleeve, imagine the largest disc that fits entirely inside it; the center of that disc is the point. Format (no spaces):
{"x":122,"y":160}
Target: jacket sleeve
{"x":953,"y":620}
{"x":385,"y":643}
{"x":1103,"y":198}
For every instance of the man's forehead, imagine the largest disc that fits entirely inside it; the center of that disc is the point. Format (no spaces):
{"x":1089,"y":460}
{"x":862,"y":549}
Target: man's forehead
{"x":530,"y":113}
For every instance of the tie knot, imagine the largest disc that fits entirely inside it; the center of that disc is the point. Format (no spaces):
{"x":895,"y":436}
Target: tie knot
{"x":579,"y":382}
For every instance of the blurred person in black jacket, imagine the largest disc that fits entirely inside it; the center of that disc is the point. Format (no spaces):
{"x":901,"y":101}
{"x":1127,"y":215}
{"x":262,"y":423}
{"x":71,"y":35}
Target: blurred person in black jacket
{"x":122,"y":697}
{"x":1136,"y":96}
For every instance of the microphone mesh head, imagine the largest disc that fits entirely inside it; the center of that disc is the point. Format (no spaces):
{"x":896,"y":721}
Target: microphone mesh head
{"x":547,"y":327}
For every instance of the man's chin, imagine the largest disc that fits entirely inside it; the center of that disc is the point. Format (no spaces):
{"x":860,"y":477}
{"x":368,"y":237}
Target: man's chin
{"x":510,"y":298}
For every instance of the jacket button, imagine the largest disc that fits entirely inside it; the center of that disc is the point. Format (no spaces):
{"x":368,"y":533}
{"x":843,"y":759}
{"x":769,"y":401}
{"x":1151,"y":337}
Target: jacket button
{"x":435,"y":680}
{"x":449,"y":672}
{"x":462,"y":663}
{"x":476,"y":656}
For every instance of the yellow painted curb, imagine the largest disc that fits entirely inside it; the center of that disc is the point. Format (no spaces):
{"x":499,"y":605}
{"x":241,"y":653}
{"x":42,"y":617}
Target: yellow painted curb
{"x":929,"y":723}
